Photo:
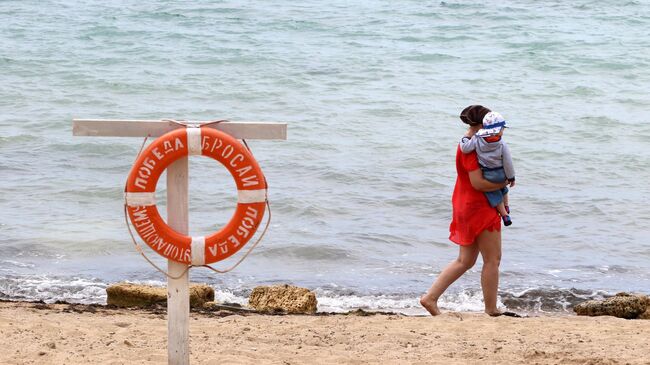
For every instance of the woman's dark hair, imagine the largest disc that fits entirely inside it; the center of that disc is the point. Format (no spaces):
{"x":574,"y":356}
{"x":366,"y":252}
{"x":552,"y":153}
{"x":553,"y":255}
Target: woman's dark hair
{"x":473,"y":114}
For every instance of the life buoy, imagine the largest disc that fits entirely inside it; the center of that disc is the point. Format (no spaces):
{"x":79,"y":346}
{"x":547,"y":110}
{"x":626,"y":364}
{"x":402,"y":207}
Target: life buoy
{"x":141,"y":192}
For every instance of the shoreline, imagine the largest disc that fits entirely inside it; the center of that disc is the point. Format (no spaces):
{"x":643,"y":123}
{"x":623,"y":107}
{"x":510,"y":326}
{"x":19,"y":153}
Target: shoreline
{"x":77,"y":333}
{"x":243,"y":308}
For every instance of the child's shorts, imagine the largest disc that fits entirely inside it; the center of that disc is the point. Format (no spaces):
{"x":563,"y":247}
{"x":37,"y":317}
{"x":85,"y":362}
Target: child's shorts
{"x":495,"y":175}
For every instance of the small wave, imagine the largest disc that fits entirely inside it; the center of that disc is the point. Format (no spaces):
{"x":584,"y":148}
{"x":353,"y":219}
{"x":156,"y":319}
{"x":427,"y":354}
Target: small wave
{"x":463,"y":301}
{"x":445,"y":4}
{"x":331,"y":298}
{"x":51,"y":289}
{"x":339,"y":304}
{"x":227,"y":296}
{"x":162,"y":16}
{"x":18,"y":140}
{"x":431,"y":57}
{"x":412,"y":39}
{"x":601,"y":121}
{"x":585,"y":91}
{"x":533,"y":300}
{"x":549,"y":300}
{"x":428,"y":14}
{"x":84,"y":291}
{"x":17,"y":264}
{"x":88,"y":149}
{"x":99,"y":193}
{"x":311,"y":253}
{"x":302,"y":208}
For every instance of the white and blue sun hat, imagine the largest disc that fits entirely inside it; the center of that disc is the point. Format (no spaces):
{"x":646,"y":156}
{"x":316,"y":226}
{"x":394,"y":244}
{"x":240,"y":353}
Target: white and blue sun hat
{"x":493,"y":123}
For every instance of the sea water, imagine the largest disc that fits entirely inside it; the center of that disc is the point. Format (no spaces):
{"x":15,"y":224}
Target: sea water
{"x":360,"y":192}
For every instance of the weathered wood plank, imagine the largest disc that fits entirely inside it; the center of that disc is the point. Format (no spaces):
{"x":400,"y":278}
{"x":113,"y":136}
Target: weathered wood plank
{"x":178,"y":292}
{"x":156,"y":128}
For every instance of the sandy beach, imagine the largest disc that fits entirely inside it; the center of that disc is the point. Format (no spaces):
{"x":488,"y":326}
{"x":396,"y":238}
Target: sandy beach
{"x":76,"y":334}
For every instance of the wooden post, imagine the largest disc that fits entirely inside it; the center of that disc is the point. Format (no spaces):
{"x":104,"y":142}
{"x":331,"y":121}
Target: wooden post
{"x":178,"y":291}
{"x":178,"y":299}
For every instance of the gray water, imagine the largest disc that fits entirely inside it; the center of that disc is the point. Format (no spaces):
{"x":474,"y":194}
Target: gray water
{"x":361,"y":189}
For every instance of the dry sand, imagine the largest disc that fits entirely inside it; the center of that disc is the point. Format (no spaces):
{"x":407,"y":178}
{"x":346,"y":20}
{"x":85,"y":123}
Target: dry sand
{"x":66,"y":334}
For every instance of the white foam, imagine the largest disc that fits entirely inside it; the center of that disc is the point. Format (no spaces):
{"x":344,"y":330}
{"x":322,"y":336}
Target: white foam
{"x":49,"y":290}
{"x":458,"y":302}
{"x":226,"y":296}
{"x":17,"y":264}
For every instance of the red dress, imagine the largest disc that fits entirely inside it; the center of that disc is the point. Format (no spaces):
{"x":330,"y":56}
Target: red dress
{"x":472,"y":214}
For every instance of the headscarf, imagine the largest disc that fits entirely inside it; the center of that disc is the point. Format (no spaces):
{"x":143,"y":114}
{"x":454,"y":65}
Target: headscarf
{"x":473,"y":114}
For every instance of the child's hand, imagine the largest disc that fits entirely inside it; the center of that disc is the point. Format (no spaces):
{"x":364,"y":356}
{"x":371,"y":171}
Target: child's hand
{"x":512,"y":184}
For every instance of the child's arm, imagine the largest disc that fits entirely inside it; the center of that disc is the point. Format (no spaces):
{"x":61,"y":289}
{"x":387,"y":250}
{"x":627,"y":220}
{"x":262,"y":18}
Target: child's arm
{"x":468,"y":144}
{"x":507,"y":163}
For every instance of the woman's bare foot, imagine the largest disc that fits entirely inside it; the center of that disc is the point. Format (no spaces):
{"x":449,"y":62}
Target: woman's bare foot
{"x":430,"y":305}
{"x":507,"y":314}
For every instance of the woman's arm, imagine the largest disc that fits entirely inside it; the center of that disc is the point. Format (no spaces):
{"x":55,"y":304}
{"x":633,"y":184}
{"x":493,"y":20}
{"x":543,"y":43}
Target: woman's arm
{"x":479,"y":183}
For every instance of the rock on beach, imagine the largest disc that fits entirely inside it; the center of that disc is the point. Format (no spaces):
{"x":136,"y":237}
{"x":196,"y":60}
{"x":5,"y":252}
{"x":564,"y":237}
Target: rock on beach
{"x":132,"y":295}
{"x":622,"y":305}
{"x":283,"y":299}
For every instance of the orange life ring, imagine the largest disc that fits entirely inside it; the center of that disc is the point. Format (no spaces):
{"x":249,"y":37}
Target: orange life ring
{"x":141,"y":192}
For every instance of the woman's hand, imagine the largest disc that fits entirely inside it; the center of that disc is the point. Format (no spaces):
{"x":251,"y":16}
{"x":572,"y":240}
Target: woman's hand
{"x":471,"y":131}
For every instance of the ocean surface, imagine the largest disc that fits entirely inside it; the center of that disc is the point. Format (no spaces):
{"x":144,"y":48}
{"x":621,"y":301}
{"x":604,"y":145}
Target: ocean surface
{"x":360,"y":191}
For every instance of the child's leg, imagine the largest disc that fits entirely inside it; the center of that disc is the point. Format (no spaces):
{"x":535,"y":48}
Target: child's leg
{"x":502,"y":209}
{"x":504,"y":212}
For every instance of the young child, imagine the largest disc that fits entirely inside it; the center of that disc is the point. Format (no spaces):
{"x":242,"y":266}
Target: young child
{"x":495,"y":160}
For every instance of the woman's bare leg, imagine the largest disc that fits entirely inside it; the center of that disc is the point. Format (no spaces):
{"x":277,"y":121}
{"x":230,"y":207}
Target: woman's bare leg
{"x":489,"y":244}
{"x":466,"y":258}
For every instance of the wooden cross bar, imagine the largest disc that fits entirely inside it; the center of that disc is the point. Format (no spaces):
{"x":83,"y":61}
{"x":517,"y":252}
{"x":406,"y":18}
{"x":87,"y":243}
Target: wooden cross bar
{"x":156,"y":128}
{"x":178,"y":304}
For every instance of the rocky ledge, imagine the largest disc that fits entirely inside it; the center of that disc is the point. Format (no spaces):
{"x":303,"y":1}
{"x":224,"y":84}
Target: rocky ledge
{"x":142,"y":296}
{"x":283,"y":299}
{"x":622,"y":305}
{"x":279,"y":299}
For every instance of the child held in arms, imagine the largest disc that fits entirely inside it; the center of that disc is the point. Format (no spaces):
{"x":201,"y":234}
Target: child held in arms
{"x":495,"y":160}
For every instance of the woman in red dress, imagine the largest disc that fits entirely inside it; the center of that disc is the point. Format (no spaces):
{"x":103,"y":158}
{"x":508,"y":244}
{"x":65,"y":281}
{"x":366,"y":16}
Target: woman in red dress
{"x":475,"y":225}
